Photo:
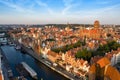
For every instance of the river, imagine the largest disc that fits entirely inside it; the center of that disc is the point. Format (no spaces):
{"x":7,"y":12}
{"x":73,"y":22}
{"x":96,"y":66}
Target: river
{"x":14,"y":57}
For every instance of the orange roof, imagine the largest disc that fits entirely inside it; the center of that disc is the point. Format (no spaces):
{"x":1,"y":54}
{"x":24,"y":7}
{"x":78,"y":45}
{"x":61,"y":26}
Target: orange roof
{"x":93,"y":31}
{"x":109,"y":55}
{"x":85,"y":31}
{"x":103,"y":62}
{"x":0,"y":77}
{"x":112,"y":73}
{"x":52,"y":53}
{"x":81,"y":61}
{"x":92,"y":68}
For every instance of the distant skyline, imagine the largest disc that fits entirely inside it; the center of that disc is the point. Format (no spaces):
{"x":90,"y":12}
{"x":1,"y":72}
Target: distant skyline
{"x":59,"y":11}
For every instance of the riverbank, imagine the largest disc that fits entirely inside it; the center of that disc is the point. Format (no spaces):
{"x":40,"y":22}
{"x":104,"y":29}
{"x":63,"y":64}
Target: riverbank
{"x":39,"y":58}
{"x":15,"y":57}
{"x":5,"y":67}
{"x":1,"y":71}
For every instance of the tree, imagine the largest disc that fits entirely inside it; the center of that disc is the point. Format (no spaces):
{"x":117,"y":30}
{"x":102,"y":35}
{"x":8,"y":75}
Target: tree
{"x":85,"y":54}
{"x":67,"y":47}
{"x":111,"y":45}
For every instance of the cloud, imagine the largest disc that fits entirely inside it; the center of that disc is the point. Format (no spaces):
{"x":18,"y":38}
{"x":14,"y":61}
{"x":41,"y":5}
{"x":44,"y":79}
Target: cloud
{"x":12,"y":5}
{"x":40,"y":3}
{"x":66,"y":9}
{"x":98,"y":11}
{"x":71,"y":11}
{"x":69,"y":4}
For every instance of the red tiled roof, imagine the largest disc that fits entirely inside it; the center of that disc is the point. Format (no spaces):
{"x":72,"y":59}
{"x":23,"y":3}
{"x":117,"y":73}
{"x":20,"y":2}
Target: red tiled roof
{"x":52,"y":53}
{"x":103,"y":62}
{"x":92,"y":68}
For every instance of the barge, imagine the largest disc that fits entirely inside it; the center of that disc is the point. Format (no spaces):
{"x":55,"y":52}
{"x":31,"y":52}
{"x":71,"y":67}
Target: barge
{"x":21,"y":70}
{"x":32,"y":73}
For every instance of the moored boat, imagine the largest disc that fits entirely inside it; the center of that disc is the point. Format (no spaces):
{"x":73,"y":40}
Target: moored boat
{"x":32,"y":73}
{"x":21,"y":70}
{"x":17,"y":47}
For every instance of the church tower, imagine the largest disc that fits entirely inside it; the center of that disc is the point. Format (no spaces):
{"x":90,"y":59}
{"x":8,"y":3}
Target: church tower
{"x":96,"y":24}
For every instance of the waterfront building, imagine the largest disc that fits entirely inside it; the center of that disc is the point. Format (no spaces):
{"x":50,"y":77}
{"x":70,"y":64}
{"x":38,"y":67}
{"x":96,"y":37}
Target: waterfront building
{"x":52,"y":56}
{"x":44,"y":52}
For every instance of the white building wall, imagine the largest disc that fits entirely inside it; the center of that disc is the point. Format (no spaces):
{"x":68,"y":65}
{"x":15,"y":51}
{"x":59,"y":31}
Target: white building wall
{"x":115,"y":59}
{"x":118,"y":58}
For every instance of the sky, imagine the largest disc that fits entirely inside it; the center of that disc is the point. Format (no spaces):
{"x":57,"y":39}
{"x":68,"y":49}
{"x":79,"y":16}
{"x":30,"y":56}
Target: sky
{"x":59,"y":11}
